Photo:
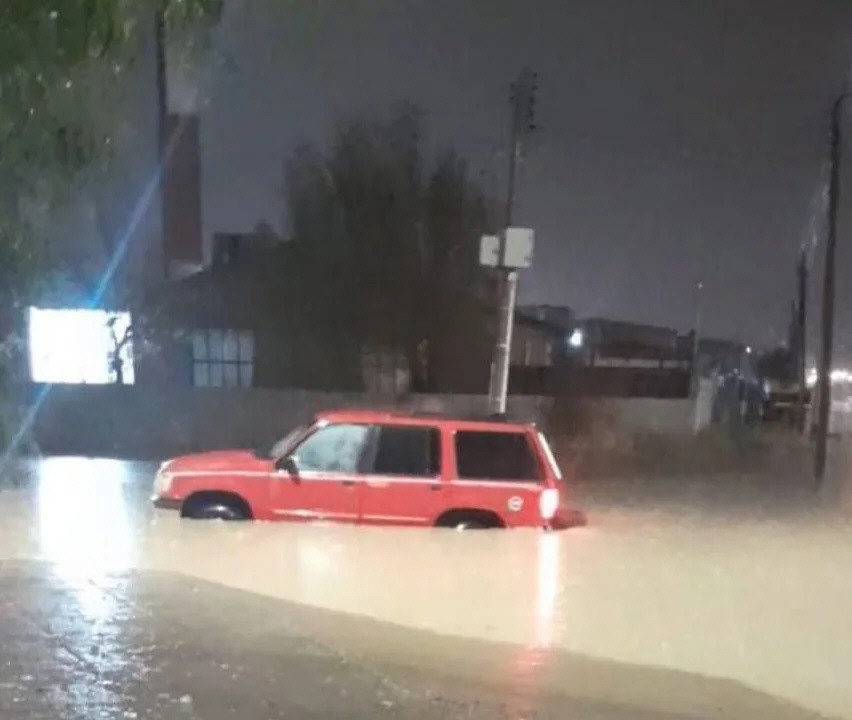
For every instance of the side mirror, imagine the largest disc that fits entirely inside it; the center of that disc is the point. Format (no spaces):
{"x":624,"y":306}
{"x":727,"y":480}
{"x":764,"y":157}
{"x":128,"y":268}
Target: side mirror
{"x":288,"y":464}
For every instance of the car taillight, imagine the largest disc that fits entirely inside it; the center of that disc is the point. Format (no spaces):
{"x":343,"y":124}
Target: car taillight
{"x":548,"y":502}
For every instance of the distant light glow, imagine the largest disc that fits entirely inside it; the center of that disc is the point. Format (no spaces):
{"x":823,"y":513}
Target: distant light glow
{"x":75,"y":346}
{"x":576,"y":338}
{"x":748,"y":349}
{"x":838,"y":377}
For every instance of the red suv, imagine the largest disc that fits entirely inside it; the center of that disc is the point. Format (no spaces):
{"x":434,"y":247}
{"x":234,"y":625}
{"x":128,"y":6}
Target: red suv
{"x":376,"y":468}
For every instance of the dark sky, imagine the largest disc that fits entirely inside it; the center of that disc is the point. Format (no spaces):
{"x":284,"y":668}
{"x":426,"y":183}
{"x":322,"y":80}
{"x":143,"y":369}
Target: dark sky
{"x":681,"y":140}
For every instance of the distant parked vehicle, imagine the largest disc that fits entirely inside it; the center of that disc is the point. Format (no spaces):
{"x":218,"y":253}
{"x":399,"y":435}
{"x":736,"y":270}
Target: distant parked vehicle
{"x":782,"y":401}
{"x":377,"y":468}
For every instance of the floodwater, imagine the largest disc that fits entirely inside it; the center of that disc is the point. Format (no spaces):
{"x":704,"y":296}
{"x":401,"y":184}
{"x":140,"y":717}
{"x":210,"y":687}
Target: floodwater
{"x":608,"y":611}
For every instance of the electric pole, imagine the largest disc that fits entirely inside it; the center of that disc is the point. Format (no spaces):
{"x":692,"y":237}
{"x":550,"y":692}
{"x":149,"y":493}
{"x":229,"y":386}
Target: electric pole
{"x":801,"y":335}
{"x":522,"y":117}
{"x":827,"y":344}
{"x":162,"y":117}
{"x":696,"y":338}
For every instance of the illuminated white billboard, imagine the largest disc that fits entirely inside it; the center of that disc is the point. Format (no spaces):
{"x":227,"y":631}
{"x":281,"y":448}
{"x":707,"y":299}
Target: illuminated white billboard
{"x":77,"y":346}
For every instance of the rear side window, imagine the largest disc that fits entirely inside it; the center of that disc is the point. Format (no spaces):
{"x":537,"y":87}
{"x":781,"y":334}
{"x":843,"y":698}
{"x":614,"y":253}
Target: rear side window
{"x":412,"y":451}
{"x":495,"y":456}
{"x":551,"y":459}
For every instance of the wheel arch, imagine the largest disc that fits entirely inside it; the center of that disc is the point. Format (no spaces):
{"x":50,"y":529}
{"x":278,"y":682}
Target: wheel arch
{"x":453,"y":516}
{"x":228,"y":497}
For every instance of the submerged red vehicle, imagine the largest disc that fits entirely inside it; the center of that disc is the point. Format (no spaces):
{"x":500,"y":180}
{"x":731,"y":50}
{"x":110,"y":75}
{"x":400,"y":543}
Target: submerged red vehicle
{"x":377,"y":468}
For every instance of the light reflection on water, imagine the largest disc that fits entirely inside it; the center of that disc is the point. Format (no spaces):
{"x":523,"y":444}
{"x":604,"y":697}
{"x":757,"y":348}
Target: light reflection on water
{"x":523,"y":674}
{"x":84,"y":530}
{"x":85,"y":533}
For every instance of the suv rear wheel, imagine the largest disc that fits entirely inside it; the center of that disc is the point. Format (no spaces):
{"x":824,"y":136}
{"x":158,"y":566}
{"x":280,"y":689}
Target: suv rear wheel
{"x":469,"y":520}
{"x":215,"y":506}
{"x":470,"y":525}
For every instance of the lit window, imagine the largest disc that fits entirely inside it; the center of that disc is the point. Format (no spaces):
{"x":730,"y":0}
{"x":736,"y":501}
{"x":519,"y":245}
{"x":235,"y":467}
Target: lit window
{"x":223,"y":358}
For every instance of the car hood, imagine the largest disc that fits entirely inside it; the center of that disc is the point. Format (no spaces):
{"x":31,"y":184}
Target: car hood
{"x":218,"y":460}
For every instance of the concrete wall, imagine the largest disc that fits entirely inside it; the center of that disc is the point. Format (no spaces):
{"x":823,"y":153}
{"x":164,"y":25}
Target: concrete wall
{"x":621,"y":418}
{"x":649,"y":415}
{"x":140,"y":422}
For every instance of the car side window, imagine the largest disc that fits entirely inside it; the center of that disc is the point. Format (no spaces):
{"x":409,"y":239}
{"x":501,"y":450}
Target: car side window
{"x":410,"y":451}
{"x":333,"y":448}
{"x":495,"y":456}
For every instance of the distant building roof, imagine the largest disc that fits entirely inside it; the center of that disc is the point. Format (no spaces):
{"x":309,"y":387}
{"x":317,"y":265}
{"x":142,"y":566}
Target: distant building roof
{"x":602,"y":331}
{"x":560,"y":316}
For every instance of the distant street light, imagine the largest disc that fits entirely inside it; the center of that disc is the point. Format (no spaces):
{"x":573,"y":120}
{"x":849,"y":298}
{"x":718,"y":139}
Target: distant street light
{"x":575,"y":340}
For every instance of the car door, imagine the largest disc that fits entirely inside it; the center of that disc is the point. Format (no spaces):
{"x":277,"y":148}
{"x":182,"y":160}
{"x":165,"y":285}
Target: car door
{"x":327,"y":483}
{"x":403,"y":484}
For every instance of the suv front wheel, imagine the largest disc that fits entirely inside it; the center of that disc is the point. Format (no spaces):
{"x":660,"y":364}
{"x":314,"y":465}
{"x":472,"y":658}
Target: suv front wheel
{"x":215,"y":506}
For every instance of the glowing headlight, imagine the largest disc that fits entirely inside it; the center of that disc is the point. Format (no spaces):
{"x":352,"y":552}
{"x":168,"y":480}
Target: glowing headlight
{"x":548,"y":502}
{"x":162,"y":481}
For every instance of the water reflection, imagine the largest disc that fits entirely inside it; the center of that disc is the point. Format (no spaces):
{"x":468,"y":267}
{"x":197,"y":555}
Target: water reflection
{"x":547,"y":588}
{"x":84,"y":528}
{"x":83,"y":517}
{"x":86,"y":535}
{"x":524,"y":672}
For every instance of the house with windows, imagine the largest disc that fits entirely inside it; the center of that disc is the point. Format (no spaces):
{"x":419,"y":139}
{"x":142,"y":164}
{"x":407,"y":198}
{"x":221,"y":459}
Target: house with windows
{"x":248,"y":320}
{"x":251,"y":319}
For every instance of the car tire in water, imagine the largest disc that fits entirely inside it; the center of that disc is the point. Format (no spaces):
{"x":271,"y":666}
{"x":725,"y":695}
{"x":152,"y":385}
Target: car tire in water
{"x":215,"y":508}
{"x":470,"y":525}
{"x":469,"y":519}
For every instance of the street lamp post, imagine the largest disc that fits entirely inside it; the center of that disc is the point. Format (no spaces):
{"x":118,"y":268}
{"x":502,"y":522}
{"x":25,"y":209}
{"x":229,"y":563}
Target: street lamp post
{"x":827,"y":324}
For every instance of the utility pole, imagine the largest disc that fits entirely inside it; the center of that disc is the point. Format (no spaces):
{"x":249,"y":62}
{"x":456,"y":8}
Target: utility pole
{"x":801,"y":335}
{"x":160,"y":60}
{"x":696,"y":337}
{"x":827,"y":344}
{"x":522,"y":115}
{"x":162,"y":117}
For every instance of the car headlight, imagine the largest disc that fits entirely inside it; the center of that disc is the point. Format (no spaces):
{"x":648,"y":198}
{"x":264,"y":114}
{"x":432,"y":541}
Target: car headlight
{"x":548,"y":502}
{"x":162,"y":480}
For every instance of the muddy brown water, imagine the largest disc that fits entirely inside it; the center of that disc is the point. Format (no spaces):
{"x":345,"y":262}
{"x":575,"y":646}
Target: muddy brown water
{"x":650,"y":611}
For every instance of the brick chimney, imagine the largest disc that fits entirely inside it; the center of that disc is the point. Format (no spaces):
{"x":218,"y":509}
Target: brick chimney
{"x":182,"y":245}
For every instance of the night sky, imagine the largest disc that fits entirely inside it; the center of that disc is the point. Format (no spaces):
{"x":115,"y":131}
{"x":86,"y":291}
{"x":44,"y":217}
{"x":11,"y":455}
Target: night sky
{"x":681,"y":140}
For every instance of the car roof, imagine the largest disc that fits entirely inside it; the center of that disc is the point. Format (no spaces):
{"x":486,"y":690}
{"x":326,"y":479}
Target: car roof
{"x":387,"y":417}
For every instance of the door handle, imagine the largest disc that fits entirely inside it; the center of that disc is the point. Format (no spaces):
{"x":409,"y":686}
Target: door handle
{"x":347,"y":483}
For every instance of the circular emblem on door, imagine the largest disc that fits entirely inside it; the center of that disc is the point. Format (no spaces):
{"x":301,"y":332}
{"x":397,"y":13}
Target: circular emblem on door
{"x":515,"y":503}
